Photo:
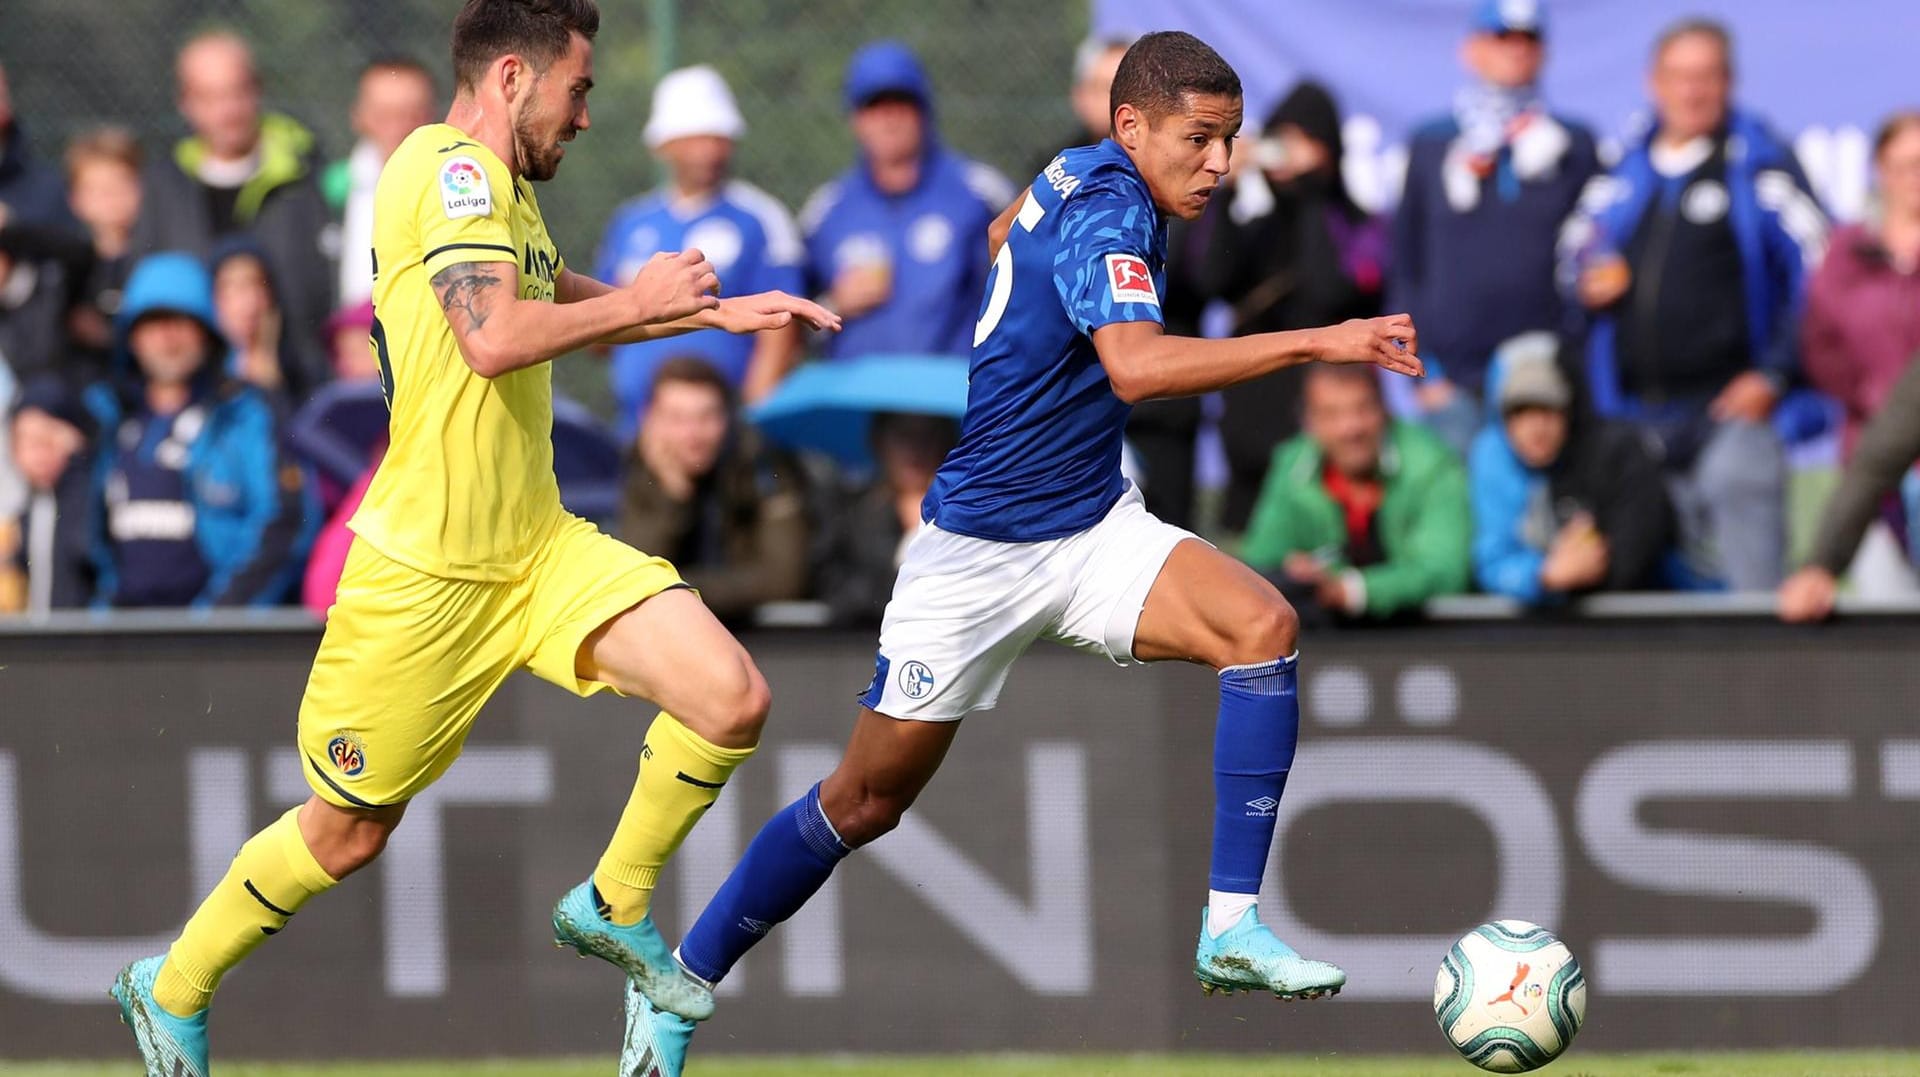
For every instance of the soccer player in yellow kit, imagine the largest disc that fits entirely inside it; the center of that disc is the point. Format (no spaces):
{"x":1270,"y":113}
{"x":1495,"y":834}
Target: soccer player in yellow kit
{"x":465,"y":567}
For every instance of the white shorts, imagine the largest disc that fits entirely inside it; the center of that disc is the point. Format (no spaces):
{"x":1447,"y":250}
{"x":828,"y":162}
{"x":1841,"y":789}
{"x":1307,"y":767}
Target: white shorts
{"x":964,"y":609}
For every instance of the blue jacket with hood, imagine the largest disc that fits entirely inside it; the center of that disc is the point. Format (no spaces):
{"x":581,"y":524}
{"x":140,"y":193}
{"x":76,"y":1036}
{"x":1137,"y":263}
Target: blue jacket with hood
{"x":933,"y":238}
{"x":1777,"y":225}
{"x":254,"y":513}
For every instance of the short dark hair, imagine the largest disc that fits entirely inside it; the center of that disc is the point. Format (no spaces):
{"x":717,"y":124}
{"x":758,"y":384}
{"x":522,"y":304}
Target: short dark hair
{"x":1162,"y":68}
{"x":394,"y":61}
{"x":1697,"y":26}
{"x":1363,"y":374}
{"x":691,"y":370}
{"x":109,"y":144}
{"x":539,"y":30}
{"x":1891,"y":127}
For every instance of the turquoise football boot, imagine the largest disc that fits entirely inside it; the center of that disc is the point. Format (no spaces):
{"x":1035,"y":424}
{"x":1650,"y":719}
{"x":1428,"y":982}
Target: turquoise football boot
{"x":639,"y":951}
{"x":656,"y":1043}
{"x":170,"y":1046}
{"x":1247,"y":957}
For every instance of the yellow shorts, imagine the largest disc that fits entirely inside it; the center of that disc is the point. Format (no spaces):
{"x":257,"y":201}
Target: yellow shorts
{"x":408,"y":658}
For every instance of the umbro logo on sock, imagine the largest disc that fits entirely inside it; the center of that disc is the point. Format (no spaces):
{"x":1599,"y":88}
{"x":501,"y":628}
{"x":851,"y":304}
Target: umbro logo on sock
{"x":758,"y":927}
{"x":1262,"y":807}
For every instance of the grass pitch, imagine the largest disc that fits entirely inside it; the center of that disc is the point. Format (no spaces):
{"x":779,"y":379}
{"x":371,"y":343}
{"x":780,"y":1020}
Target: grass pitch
{"x":1576,"y":1064}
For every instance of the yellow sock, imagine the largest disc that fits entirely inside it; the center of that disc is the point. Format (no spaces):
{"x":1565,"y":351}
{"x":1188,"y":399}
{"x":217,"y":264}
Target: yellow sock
{"x":681,"y":774}
{"x":272,"y":876}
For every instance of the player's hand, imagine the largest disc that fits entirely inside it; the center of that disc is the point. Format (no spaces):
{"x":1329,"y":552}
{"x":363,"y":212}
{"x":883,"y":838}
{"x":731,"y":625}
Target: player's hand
{"x":1807,"y":596}
{"x":674,"y":286}
{"x":1747,"y":398}
{"x":1388,"y":342}
{"x":769,"y":310}
{"x":859,"y":290}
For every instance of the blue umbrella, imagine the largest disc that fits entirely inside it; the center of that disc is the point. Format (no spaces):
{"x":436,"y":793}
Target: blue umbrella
{"x":827,"y":406}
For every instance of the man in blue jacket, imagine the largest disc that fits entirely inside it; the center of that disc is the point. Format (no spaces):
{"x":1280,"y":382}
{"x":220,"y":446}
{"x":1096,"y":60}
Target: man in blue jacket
{"x":197,"y":505}
{"x":1488,"y":186}
{"x":745,"y":232}
{"x":897,"y":244}
{"x":1691,"y":255}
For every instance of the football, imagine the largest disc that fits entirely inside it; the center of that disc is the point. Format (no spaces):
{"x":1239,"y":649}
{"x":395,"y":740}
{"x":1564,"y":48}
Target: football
{"x":1510,"y":996}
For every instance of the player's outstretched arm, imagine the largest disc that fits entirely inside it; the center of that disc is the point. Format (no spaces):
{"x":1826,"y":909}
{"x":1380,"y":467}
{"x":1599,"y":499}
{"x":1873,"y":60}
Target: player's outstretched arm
{"x":1144,"y":362}
{"x":734,"y":314}
{"x":499,"y":332}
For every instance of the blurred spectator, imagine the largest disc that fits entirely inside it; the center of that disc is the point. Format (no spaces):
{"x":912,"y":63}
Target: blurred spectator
{"x":1862,"y":325}
{"x":1888,"y":446}
{"x":1563,"y":501}
{"x":30,"y":191}
{"x":1487,"y":189}
{"x":871,"y":530}
{"x":1291,"y":250}
{"x":103,"y":188}
{"x":247,"y":307}
{"x":897,"y":243}
{"x":702,"y":493}
{"x":1094,"y":63}
{"x":199,"y":507}
{"x":396,"y":95}
{"x":348,"y":334}
{"x":1362,"y":515}
{"x":242,"y":170}
{"x":45,"y":549}
{"x":320,"y":584}
{"x":745,"y":232}
{"x":13,"y":489}
{"x":40,"y":267}
{"x":1692,"y":255}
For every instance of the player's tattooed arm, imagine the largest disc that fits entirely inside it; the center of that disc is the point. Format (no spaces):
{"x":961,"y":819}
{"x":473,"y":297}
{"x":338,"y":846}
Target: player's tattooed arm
{"x":467,"y":291}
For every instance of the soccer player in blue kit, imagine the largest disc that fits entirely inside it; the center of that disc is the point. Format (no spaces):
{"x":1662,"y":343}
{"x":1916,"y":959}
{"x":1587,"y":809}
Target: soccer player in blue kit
{"x":1032,"y":533}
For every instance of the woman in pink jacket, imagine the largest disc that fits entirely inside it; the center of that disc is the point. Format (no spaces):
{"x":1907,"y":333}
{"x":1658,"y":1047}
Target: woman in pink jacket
{"x":1862,"y":323}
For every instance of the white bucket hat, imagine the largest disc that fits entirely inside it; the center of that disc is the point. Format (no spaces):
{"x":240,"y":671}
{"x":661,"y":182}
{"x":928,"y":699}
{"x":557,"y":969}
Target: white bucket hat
{"x":692,"y":101}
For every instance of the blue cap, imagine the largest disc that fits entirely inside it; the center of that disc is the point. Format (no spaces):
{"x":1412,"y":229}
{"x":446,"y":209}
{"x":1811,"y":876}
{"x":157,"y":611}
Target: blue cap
{"x":1510,"y":17}
{"x":887,"y":67}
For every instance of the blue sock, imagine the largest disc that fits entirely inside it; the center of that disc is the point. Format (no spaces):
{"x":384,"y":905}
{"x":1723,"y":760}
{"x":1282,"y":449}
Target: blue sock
{"x":787,"y":863}
{"x":1253,"y":745}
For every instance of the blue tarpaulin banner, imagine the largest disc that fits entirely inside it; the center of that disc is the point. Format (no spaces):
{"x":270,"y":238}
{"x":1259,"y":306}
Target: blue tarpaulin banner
{"x":1823,"y":75}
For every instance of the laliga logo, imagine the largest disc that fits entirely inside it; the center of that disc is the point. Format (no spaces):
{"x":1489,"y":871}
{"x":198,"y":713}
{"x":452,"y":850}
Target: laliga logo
{"x":460,"y":177}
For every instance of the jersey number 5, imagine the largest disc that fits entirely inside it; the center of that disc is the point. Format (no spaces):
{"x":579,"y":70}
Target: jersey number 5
{"x":1000,"y":287}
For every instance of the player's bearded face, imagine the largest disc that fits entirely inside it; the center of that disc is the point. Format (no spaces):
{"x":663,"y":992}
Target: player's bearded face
{"x":1184,"y":155}
{"x":552,"y":111}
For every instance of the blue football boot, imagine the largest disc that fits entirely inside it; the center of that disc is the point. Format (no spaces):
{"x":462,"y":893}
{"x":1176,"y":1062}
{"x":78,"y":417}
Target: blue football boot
{"x":170,"y":1046}
{"x":656,"y":1043}
{"x":638,"y":950}
{"x":1247,"y":957}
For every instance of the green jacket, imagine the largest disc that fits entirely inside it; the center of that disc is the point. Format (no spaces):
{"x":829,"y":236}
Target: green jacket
{"x":1424,"y":524}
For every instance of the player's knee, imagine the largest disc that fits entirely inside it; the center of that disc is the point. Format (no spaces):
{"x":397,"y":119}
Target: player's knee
{"x":1270,"y":631}
{"x":744,"y":711}
{"x":861,"y":813}
{"x":351,"y":843}
{"x":871,"y":818}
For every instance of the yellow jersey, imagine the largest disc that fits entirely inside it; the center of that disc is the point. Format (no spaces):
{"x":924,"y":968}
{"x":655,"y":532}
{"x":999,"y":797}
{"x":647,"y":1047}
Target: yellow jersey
{"x":467,"y":488}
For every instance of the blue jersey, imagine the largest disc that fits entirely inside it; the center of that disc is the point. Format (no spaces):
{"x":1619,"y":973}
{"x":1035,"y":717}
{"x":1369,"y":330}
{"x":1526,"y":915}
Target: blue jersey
{"x":927,"y":239}
{"x":1039,"y":450}
{"x":754,"y":247}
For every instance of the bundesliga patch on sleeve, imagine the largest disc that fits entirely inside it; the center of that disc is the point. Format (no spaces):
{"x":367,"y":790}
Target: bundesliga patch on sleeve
{"x":1129,"y":281}
{"x":463,"y":189}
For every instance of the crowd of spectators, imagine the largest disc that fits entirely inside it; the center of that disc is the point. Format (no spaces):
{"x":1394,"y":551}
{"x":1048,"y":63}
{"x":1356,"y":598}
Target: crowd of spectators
{"x":1621,"y":352}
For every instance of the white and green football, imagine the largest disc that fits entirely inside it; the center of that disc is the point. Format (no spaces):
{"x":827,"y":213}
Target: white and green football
{"x":1510,"y":996}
